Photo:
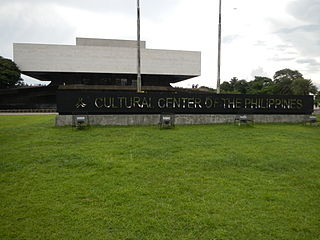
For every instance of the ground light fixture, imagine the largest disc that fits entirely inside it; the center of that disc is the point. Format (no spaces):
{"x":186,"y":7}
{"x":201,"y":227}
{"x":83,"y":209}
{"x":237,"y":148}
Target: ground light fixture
{"x":166,"y":121}
{"x":243,"y":119}
{"x":312,"y":120}
{"x":80,"y":122}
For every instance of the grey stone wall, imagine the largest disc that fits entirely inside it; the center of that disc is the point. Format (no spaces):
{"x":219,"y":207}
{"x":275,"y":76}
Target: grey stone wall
{"x":180,"y":119}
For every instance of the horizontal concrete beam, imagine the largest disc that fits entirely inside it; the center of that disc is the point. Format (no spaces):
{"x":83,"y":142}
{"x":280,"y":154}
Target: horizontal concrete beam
{"x":180,"y":119}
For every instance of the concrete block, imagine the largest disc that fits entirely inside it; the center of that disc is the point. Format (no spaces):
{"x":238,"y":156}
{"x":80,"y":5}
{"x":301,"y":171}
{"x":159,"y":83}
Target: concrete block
{"x":180,"y":119}
{"x":105,"y":59}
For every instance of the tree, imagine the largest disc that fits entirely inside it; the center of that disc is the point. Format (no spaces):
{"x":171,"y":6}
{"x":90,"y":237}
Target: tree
{"x":233,"y":83}
{"x":10,"y":75}
{"x":287,"y":74}
{"x":292,"y":82}
{"x":260,"y":85}
{"x":303,"y":86}
{"x":226,"y":87}
{"x":284,"y":80}
{"x":241,"y":86}
{"x":284,"y":87}
{"x":229,"y":87}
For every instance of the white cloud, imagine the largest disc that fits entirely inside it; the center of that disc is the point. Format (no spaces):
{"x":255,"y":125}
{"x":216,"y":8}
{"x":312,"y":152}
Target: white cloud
{"x":302,"y":33}
{"x":26,"y":23}
{"x":259,"y":72}
{"x":264,"y":35}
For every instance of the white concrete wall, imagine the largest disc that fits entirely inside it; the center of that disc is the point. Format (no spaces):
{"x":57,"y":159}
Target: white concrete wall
{"x":108,"y":42}
{"x":101,"y":59}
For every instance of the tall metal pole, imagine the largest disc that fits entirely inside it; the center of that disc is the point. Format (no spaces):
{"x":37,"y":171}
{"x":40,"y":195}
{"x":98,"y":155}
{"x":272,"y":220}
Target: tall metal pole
{"x":219,"y":48}
{"x":138,"y":49}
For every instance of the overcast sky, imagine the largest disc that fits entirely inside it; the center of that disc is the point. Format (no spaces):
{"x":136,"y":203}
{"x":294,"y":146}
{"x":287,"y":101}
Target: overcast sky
{"x":259,"y":36}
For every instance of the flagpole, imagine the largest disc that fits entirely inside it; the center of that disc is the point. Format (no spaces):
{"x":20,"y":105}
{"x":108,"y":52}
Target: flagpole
{"x":138,"y":49}
{"x":219,"y":49}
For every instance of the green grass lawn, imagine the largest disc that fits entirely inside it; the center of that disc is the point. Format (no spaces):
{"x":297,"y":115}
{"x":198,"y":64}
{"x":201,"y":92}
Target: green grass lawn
{"x":191,"y":182}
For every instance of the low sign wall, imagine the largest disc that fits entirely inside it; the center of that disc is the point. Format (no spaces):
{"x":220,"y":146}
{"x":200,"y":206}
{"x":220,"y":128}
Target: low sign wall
{"x":97,"y":102}
{"x":154,"y":119}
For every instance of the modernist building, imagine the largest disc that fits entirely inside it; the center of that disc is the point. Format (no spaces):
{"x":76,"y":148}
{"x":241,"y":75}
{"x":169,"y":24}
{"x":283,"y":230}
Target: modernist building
{"x":105,"y":62}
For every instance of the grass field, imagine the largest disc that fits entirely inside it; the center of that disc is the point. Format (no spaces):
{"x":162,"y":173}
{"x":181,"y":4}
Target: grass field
{"x":191,"y":182}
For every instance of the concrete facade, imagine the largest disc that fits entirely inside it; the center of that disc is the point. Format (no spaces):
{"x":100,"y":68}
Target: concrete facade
{"x":102,"y":56}
{"x":180,"y":119}
{"x":108,"y":42}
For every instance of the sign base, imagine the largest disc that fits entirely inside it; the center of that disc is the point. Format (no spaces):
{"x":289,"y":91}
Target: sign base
{"x":180,"y":119}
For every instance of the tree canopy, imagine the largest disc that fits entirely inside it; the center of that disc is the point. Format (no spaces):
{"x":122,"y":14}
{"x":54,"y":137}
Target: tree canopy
{"x":287,"y":74}
{"x":10,"y":75}
{"x":285,"y":82}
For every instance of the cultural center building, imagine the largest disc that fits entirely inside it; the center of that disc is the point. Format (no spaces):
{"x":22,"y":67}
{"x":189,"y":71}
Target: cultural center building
{"x":105,"y":62}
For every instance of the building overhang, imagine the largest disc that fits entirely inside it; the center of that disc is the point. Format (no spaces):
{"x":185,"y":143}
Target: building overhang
{"x":103,"y":78}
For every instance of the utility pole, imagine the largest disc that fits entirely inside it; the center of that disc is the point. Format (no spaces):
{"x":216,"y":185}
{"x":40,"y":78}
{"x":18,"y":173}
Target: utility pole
{"x":219,"y":48}
{"x":138,"y":49}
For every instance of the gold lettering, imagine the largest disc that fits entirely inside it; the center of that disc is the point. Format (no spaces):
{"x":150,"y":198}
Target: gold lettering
{"x":254,"y":103}
{"x":238,"y":103}
{"x":215,"y":102}
{"x":208,"y":103}
{"x":169,"y":102}
{"x":98,"y":102}
{"x":286,"y":103}
{"x":136,"y":102}
{"x":299,"y":103}
{"x":113,"y":103}
{"x":271,"y":102}
{"x":224,"y":102}
{"x":161,"y":103}
{"x":231,"y":103}
{"x":121,"y":100}
{"x":184,"y":102}
{"x":278,"y":103}
{"x":197,"y":103}
{"x":144,"y":103}
{"x":190,"y":102}
{"x":176,"y":102}
{"x":150,"y":103}
{"x":128,"y":103}
{"x":105,"y":104}
{"x":247,"y":103}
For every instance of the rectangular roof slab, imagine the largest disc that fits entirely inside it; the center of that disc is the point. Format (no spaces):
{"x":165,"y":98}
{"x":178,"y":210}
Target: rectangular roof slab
{"x":105,"y":56}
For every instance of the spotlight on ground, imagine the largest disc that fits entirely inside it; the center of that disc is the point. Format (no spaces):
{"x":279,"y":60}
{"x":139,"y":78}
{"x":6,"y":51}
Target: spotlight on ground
{"x":166,"y":121}
{"x":312,"y":121}
{"x":80,"y":122}
{"x":243,"y":119}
